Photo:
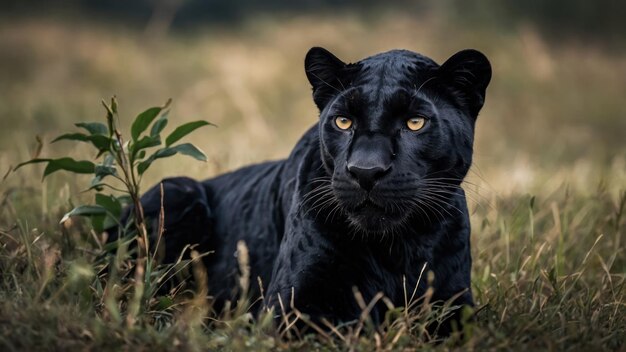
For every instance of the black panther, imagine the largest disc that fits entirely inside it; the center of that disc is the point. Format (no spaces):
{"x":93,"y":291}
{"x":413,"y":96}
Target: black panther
{"x":368,"y":198}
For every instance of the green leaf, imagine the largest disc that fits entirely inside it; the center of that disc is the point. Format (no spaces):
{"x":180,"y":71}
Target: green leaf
{"x":32,"y":161}
{"x":109,"y":222}
{"x":94,"y":128}
{"x":144,"y":165}
{"x":114,"y":104}
{"x":102,"y":171}
{"x":191,"y":150}
{"x":101,"y":223}
{"x":184,"y":130}
{"x":84,"y":210}
{"x":185,"y":149}
{"x":164,"y":153}
{"x":97,"y":222}
{"x":159,"y":125}
{"x":99,"y":141}
{"x":147,"y":142}
{"x":161,"y":153}
{"x":143,"y":143}
{"x":72,"y":137}
{"x":110,"y":203}
{"x":69,"y":164}
{"x":143,"y":120}
{"x":110,"y":122}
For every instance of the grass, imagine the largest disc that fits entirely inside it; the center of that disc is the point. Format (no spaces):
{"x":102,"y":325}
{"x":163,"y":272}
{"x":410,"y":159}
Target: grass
{"x":547,"y":191}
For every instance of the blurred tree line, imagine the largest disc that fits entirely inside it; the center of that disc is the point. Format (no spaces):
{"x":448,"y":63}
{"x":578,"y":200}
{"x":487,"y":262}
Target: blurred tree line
{"x":599,"y":20}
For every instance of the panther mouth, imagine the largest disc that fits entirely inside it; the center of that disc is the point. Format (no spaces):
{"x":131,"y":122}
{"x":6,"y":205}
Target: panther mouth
{"x":371,"y":212}
{"x":374,"y":218}
{"x":368,"y":205}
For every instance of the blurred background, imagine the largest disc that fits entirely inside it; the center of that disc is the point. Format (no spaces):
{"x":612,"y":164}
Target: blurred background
{"x":554,"y":116}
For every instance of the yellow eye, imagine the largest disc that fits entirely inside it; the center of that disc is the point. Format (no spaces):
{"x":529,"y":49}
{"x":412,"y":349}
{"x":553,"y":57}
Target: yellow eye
{"x":343,"y":122}
{"x":415,"y":123}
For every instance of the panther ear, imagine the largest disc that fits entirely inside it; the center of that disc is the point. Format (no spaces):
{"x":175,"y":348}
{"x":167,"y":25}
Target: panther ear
{"x":468,"y":72}
{"x":323,"y":69}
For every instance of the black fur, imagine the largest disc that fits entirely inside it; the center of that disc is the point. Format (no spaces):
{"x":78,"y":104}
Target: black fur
{"x":358,"y":208}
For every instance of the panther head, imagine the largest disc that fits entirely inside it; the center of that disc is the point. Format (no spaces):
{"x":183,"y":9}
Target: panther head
{"x":396,"y":131}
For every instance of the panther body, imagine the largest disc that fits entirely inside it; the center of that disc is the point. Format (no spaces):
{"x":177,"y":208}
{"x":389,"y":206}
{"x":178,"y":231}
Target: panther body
{"x":368,"y":200}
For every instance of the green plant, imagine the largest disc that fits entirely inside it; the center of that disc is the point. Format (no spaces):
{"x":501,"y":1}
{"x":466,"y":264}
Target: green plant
{"x":118,"y":168}
{"x":123,"y":161}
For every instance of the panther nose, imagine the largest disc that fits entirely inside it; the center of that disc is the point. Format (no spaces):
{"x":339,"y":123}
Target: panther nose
{"x":367,"y":176}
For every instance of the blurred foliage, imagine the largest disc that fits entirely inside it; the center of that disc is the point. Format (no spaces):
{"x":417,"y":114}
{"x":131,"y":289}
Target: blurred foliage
{"x":600,"y":20}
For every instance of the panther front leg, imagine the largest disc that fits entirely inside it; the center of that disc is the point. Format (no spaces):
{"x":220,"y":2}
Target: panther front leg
{"x":312,"y":275}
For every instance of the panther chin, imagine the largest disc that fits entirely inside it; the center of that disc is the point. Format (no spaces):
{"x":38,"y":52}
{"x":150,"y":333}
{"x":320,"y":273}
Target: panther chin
{"x":374,"y":218}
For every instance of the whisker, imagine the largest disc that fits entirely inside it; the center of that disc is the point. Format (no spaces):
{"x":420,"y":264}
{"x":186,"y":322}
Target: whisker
{"x":468,"y":195}
{"x":441,"y":199}
{"x":436,"y":202}
{"x":469,"y":192}
{"x":461,"y":180}
{"x":418,"y":206}
{"x":435,"y":211}
{"x":323,"y":81}
{"x":421,"y":86}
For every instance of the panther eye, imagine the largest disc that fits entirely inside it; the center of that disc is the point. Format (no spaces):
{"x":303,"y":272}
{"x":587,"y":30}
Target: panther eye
{"x":343,"y":122}
{"x":416,"y":123}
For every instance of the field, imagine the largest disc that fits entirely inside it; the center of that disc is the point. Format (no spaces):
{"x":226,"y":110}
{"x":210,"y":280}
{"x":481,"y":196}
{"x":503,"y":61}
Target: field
{"x":547,"y":191}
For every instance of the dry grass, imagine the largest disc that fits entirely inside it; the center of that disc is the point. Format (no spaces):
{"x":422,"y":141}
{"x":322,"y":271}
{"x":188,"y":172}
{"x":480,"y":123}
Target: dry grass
{"x":547,"y":191}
